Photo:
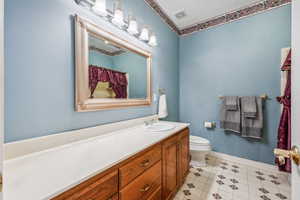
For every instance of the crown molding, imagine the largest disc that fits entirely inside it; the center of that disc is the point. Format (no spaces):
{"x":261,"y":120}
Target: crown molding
{"x":219,"y":20}
{"x":163,"y":15}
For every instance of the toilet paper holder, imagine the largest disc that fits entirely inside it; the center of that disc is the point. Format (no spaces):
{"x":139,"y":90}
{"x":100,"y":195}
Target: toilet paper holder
{"x":209,"y":125}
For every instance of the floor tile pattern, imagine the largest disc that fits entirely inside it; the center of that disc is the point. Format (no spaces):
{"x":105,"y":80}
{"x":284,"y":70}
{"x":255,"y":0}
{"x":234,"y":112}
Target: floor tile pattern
{"x":227,"y":180}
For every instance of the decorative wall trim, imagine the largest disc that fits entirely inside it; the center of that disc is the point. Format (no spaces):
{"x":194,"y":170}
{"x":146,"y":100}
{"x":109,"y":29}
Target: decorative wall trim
{"x":222,"y":19}
{"x":163,"y":15}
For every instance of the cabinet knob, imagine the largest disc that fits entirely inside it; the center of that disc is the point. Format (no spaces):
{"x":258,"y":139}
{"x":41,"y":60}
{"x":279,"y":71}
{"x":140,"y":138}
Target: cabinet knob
{"x":145,"y":163}
{"x":1,"y":182}
{"x":145,"y":188}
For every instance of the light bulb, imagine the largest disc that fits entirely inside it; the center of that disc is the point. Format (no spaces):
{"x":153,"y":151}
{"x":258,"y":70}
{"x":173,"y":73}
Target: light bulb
{"x":144,"y":34}
{"x":152,"y":40}
{"x":132,"y":26}
{"x":100,"y":7}
{"x":118,"y":18}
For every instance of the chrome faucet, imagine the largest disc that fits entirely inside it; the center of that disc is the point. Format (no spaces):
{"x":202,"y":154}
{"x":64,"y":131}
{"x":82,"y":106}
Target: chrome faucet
{"x":150,"y":122}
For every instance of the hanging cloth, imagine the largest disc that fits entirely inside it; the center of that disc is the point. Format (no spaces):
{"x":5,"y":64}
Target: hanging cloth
{"x":117,"y":80}
{"x":284,"y":130}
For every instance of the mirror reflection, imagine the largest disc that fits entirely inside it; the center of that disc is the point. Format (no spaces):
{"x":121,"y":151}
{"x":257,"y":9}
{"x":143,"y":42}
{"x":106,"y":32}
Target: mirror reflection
{"x":115,"y":72}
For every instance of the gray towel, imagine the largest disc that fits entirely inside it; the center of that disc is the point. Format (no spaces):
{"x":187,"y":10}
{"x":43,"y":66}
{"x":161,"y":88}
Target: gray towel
{"x":249,"y":106}
{"x":230,"y":119}
{"x":231,"y":102}
{"x":253,"y":127}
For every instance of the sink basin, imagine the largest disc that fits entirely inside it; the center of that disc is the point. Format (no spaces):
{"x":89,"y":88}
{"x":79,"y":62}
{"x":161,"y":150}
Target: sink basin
{"x":159,"y":127}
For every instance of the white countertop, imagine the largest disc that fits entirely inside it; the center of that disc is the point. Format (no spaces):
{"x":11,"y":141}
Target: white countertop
{"x":45,"y":174}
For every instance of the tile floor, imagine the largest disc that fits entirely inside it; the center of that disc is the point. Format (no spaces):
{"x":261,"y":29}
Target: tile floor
{"x":226,"y":180}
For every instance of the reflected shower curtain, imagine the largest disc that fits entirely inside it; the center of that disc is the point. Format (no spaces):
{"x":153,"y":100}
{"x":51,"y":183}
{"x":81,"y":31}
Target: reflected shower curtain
{"x":117,"y":80}
{"x":284,"y":130}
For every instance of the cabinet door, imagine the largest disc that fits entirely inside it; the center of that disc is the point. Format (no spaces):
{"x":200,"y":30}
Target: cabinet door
{"x":170,"y":167}
{"x":184,"y":154}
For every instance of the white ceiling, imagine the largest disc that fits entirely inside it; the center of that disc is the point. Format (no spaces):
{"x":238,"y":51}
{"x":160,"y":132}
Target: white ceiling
{"x":200,"y":10}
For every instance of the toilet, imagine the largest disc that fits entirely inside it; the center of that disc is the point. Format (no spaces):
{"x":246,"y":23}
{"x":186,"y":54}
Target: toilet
{"x":199,"y":148}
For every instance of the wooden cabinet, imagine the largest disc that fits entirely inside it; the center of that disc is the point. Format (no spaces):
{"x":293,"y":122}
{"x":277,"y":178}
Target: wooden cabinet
{"x":143,"y":186}
{"x":184,"y":154}
{"x":156,"y":173}
{"x":96,"y":188}
{"x":175,"y":161}
{"x":138,"y":165}
{"x":115,"y":197}
{"x":170,"y":167}
{"x":156,"y":195}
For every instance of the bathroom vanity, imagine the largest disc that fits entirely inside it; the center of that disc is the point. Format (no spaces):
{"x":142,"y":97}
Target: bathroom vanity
{"x":123,"y":160}
{"x":154,"y":173}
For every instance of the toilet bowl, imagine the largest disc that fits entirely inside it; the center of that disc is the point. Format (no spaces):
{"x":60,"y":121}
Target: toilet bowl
{"x":199,"y":148}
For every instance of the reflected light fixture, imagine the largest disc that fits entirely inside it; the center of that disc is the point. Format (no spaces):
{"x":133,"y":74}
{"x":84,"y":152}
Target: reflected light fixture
{"x":85,"y":3}
{"x":132,"y":25}
{"x":144,"y":34}
{"x":118,"y":18}
{"x":100,"y":7}
{"x":152,"y":41}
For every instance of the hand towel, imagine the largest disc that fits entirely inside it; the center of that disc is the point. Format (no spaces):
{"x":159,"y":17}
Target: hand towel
{"x":230,"y":119}
{"x":231,"y":102}
{"x":249,"y":106}
{"x":162,"y":107}
{"x":253,"y":127}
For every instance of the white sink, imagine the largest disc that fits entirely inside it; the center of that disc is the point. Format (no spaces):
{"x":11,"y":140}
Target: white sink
{"x":160,"y":127}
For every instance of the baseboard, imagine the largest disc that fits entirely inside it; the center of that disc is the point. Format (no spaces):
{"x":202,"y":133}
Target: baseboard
{"x":245,"y":161}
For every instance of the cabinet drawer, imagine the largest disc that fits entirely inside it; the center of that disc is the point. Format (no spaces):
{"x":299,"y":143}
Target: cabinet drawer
{"x":140,"y":164}
{"x":103,"y":188}
{"x":156,"y":195}
{"x":115,"y":197}
{"x":143,"y":186}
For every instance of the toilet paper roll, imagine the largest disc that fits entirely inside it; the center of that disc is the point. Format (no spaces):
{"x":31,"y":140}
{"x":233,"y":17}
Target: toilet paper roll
{"x":208,"y":124}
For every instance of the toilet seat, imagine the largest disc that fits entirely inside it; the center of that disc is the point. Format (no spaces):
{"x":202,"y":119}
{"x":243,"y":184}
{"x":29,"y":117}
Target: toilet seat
{"x":199,"y":144}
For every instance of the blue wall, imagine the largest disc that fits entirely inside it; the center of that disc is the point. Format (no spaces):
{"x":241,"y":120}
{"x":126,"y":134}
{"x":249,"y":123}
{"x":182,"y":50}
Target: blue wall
{"x":39,"y":75}
{"x":135,"y":66}
{"x":100,"y":59}
{"x":239,"y":58}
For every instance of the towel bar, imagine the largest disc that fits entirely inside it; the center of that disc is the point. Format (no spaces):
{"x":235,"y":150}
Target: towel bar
{"x":263,"y":96}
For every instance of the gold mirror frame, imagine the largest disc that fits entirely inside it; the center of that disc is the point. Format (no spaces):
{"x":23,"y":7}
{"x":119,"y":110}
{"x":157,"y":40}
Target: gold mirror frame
{"x":83,"y":28}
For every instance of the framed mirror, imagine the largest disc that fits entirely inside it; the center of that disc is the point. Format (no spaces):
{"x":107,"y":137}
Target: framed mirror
{"x":110,"y":72}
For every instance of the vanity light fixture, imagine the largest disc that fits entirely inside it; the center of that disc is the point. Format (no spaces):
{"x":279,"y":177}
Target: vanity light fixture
{"x":144,"y":34}
{"x":118,"y":16}
{"x":132,"y":25}
{"x":152,"y":41}
{"x":100,"y":7}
